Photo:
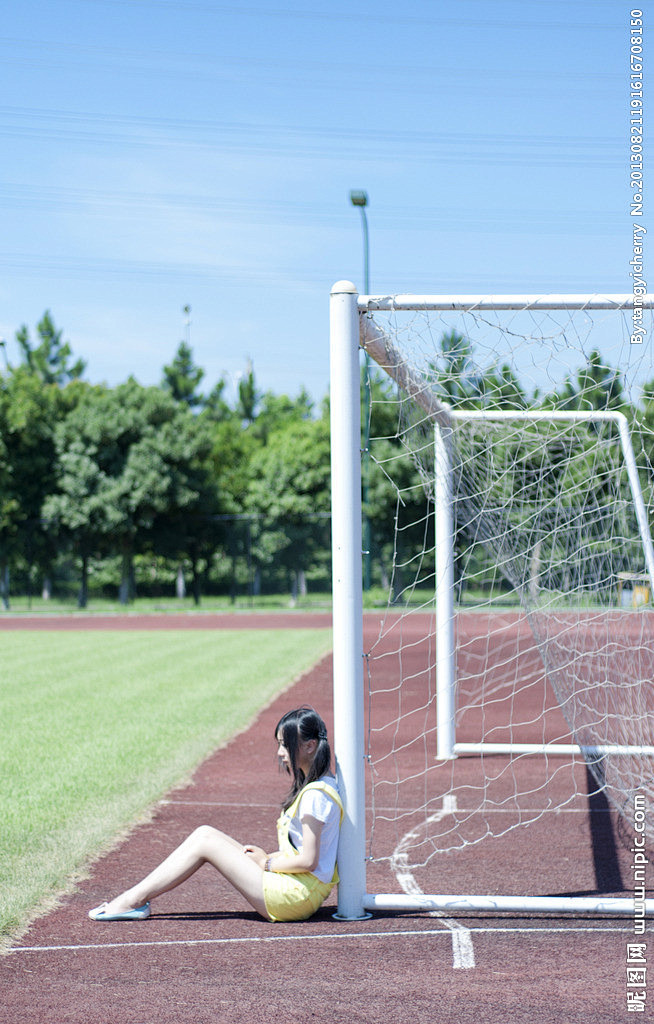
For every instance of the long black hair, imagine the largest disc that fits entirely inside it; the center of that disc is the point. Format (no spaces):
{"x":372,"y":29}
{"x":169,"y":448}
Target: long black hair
{"x":299,"y":726}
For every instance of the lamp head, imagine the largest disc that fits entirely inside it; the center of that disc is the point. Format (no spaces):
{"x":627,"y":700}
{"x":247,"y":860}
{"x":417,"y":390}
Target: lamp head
{"x":359,"y":198}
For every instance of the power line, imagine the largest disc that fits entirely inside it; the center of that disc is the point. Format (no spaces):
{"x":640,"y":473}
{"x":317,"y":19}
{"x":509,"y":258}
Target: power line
{"x":531,"y":220}
{"x":409,"y":280}
{"x":332,"y":15}
{"x":166,"y":61}
{"x":548,"y":150}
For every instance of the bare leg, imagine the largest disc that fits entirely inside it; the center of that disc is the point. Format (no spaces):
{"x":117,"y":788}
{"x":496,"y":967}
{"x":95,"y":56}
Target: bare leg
{"x":204,"y":846}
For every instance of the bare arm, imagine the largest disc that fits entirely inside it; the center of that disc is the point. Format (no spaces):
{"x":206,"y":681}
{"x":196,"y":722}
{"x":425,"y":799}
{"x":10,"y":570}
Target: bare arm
{"x":307,"y":858}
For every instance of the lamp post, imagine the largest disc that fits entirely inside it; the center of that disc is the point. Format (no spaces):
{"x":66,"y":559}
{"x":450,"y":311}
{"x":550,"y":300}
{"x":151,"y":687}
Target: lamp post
{"x":359,"y":198}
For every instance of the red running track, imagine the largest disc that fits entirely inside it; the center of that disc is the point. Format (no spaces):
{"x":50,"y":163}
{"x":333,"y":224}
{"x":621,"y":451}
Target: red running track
{"x":205,"y":957}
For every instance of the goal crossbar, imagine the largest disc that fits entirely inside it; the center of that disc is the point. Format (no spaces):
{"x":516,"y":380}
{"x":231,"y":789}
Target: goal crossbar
{"x":476,"y":303}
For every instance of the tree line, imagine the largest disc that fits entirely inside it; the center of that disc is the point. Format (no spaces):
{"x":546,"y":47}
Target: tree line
{"x":548,"y":501}
{"x":174,"y":482}
{"x":169,"y":486}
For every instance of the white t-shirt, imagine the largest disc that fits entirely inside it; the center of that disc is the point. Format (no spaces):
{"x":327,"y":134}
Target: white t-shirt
{"x":318,"y":805}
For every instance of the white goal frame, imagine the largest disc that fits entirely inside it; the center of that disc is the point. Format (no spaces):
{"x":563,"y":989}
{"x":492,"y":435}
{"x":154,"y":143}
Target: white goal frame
{"x":349,"y":332}
{"x":447,"y":746}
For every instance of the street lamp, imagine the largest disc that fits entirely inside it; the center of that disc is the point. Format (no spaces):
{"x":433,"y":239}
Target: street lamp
{"x":360,"y":198}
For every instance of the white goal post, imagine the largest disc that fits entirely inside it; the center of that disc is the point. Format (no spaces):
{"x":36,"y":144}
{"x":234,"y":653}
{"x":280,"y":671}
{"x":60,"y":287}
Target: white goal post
{"x":351,"y":329}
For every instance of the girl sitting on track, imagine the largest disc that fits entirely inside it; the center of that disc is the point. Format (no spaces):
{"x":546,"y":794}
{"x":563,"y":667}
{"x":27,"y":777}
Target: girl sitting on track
{"x":288,"y":885}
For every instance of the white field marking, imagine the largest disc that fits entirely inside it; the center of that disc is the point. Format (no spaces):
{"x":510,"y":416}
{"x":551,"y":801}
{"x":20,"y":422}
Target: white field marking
{"x":463,"y":953}
{"x":493,"y":810}
{"x":213,"y":803}
{"x":402,"y":810}
{"x":325,"y":936}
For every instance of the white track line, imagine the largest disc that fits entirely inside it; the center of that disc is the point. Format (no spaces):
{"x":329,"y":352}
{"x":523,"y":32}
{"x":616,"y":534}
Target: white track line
{"x":212,"y":803}
{"x":463,"y":953}
{"x":543,"y":811}
{"x":325,"y":936}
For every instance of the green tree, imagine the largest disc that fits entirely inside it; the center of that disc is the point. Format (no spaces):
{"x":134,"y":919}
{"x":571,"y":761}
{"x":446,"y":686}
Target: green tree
{"x":29,"y":412}
{"x":595,"y":386}
{"x":31,"y":401}
{"x":290,"y":489}
{"x":248,"y":396}
{"x":50,"y":359}
{"x":215,"y":406}
{"x":278,"y":411}
{"x":130,"y":464}
{"x":182,"y":377}
{"x":9,"y":505}
{"x":466,"y":385}
{"x":455,"y":374}
{"x":394,"y":498}
{"x":643,"y":440}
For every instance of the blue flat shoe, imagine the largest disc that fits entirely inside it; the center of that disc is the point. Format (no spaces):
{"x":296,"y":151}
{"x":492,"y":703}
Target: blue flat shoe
{"x":138,"y":914}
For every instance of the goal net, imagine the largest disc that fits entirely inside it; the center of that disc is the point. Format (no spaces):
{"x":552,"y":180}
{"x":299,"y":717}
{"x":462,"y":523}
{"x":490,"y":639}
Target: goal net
{"x":508,"y":672}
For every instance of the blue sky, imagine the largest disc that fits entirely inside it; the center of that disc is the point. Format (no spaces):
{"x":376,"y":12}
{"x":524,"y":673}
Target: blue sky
{"x":159,"y":153}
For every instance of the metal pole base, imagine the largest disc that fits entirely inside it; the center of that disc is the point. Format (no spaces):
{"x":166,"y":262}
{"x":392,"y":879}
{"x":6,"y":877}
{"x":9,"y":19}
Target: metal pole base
{"x":364,"y":917}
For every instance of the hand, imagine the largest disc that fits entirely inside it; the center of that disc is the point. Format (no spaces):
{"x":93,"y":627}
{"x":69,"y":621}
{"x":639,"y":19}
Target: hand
{"x":256,"y":854}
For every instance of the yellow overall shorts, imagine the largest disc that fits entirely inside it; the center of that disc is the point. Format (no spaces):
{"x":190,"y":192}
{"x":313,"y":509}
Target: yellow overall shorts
{"x":295,"y":897}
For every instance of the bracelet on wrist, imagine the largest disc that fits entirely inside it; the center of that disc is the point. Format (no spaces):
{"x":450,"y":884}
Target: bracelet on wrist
{"x":268,"y":867}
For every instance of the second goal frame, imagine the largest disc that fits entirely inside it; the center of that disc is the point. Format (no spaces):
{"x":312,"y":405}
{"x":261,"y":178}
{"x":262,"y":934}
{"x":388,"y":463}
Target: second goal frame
{"x":446,"y":652}
{"x":354,"y":901}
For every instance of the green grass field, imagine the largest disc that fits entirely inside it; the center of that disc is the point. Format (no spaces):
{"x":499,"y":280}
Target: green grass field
{"x":97,"y":726}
